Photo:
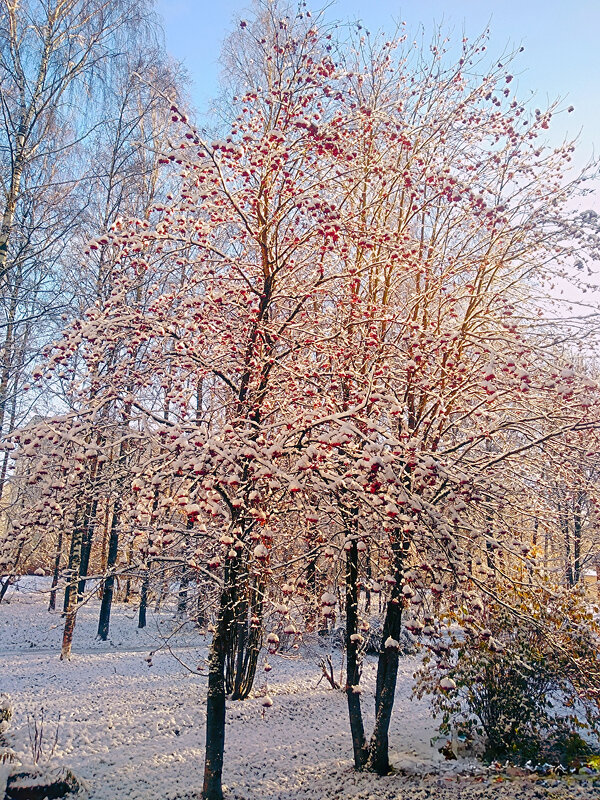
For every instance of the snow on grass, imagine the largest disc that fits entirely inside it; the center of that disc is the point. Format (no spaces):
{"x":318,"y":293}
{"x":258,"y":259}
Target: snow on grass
{"x":136,"y":731}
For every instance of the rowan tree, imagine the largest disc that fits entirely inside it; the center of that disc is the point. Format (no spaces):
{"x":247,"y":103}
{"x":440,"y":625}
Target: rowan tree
{"x":448,"y":238}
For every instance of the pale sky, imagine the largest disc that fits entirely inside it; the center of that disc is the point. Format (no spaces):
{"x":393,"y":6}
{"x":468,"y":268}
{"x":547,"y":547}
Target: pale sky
{"x":561,"y":40}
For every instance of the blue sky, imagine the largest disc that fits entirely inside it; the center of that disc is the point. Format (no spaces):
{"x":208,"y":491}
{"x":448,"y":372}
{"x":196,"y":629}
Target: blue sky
{"x":561,"y":40}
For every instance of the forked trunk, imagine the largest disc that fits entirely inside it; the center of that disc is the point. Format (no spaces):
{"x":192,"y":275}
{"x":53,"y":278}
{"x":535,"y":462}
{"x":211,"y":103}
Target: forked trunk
{"x":387,"y":666}
{"x":244,"y":638}
{"x":387,"y":675}
{"x":373,"y":756}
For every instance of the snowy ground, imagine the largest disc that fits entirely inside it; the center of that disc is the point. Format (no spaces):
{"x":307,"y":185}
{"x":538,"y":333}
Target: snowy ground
{"x":136,"y":731}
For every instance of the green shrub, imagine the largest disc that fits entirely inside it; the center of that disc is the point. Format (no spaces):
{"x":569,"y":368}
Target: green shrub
{"x":520,"y":669}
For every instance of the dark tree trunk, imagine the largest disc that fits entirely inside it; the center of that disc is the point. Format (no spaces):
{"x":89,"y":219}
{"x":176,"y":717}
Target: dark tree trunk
{"x":12,"y":576}
{"x":374,"y":756}
{"x":311,"y":589}
{"x":71,"y":610}
{"x":215,"y":718}
{"x":75,"y":536}
{"x":104,"y":548}
{"x":311,"y":576}
{"x":215,"y":699}
{"x":353,"y":660}
{"x":127,"y":597}
{"x":86,"y":546}
{"x":183,"y":593}
{"x":201,"y":618}
{"x":109,"y":581}
{"x":56,"y":571}
{"x":490,"y":556}
{"x":244,"y":638}
{"x":387,"y":674}
{"x":144,"y":599}
{"x":387,"y":667}
{"x":4,"y":584}
{"x":225,"y":648}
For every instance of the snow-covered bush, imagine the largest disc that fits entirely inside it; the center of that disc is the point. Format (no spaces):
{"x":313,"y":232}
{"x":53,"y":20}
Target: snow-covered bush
{"x":37,"y":784}
{"x":6,"y":713}
{"x":37,"y":780}
{"x":523,"y":673}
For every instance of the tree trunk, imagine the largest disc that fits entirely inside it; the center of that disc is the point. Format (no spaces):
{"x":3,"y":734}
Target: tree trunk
{"x":10,"y":206}
{"x":8,"y":429}
{"x":353,"y":661}
{"x":56,"y":571}
{"x":128,"y":582}
{"x":201,"y":618}
{"x":387,"y":668}
{"x":11,"y":289}
{"x":373,"y":757}
{"x":86,"y":546}
{"x":104,"y":548}
{"x":244,"y":638}
{"x":215,"y":699}
{"x":12,"y":576}
{"x":74,"y":563}
{"x":215,"y":720}
{"x":4,"y":584}
{"x":109,"y":580}
{"x":312,"y":621}
{"x":182,"y":596}
{"x":145,"y":587}
{"x":144,"y":599}
{"x":71,"y":609}
{"x":387,"y":674}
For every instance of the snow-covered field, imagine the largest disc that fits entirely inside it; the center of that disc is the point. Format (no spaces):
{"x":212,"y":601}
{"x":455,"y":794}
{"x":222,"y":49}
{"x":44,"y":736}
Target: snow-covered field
{"x":135,"y":730}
